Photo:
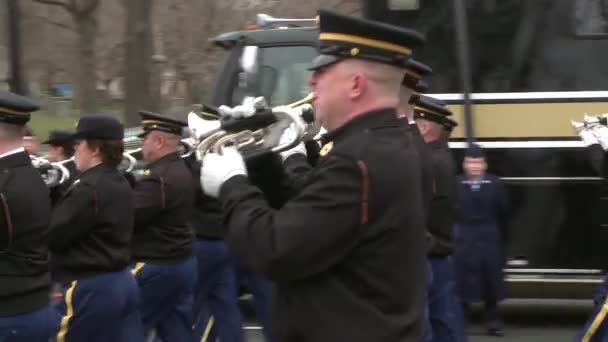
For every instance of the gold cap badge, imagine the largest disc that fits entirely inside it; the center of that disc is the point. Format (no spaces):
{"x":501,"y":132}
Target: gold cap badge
{"x":326,"y":148}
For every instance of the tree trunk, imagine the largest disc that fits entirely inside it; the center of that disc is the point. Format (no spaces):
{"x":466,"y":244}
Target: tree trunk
{"x":139,"y":53}
{"x":86,"y":89}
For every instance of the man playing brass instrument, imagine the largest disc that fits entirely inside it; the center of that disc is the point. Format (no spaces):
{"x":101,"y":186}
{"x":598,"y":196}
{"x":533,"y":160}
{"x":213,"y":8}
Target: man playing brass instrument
{"x":595,"y":139}
{"x":331,"y":250}
{"x":165,"y":268}
{"x":60,"y":148}
{"x":25,"y":212}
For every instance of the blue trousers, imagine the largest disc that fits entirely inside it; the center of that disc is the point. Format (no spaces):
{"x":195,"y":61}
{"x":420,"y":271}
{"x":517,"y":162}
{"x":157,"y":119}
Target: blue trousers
{"x":596,"y":328}
{"x":101,"y":308}
{"x":39,"y":325}
{"x":444,"y":310}
{"x":261,"y":290}
{"x":216,"y":294}
{"x":428,"y":329}
{"x":166,"y":289}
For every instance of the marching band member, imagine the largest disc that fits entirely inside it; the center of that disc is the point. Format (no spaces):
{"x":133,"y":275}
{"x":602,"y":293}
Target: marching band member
{"x":30,"y":141}
{"x":445,"y":314}
{"x":331,"y":250}
{"x":595,"y":329}
{"x":25,"y":212}
{"x":90,"y":236}
{"x":411,"y":86}
{"x":61,"y":147}
{"x":165,"y":267}
{"x":216,"y":311}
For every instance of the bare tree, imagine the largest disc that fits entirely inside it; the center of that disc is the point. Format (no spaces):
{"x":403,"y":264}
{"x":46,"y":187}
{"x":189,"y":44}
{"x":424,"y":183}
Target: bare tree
{"x":139,"y":52}
{"x":83,"y":14}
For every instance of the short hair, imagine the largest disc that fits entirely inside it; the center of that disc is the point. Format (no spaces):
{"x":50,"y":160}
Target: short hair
{"x":28,"y":131}
{"x":111,"y":151}
{"x":68,"y":148}
{"x":11,"y":132}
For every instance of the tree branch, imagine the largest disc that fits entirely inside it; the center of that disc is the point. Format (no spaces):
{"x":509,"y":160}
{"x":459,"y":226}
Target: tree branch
{"x":55,"y":23}
{"x":91,"y":6}
{"x":58,"y":3}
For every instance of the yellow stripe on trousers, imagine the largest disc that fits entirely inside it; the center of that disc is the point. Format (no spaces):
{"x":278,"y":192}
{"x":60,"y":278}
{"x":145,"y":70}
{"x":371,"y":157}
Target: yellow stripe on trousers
{"x":69,"y":312}
{"x":599,"y":318}
{"x":138,"y":267}
{"x":208,"y":329}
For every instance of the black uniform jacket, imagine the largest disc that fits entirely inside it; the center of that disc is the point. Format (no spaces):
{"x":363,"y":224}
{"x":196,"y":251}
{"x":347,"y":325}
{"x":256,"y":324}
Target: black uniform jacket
{"x":265,"y":171}
{"x":163,"y":207}
{"x":25,"y":212}
{"x":347,"y":254}
{"x":92,"y":226}
{"x":426,"y":161}
{"x":441,"y":217}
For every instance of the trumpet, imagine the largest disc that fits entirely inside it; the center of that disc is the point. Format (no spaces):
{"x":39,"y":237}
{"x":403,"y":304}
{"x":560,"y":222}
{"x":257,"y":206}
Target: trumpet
{"x":56,"y":173}
{"x":187,"y":147}
{"x":590,"y":122}
{"x":53,"y":173}
{"x":254,"y":135}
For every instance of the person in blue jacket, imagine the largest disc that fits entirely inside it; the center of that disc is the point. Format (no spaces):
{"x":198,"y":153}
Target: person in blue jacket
{"x":481,"y":210}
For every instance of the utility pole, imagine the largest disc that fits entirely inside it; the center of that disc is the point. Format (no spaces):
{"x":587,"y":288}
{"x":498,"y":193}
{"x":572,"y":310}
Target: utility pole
{"x":464,"y":62}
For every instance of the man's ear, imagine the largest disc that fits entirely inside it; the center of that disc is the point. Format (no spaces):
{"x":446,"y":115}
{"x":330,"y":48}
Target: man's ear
{"x":358,"y":85}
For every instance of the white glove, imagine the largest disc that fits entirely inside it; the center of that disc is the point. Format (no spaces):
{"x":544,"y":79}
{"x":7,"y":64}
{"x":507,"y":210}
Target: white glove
{"x":218,"y":168}
{"x":322,"y":132}
{"x":588,"y":137}
{"x":288,"y":135}
{"x":245,"y":110}
{"x":600,"y":132}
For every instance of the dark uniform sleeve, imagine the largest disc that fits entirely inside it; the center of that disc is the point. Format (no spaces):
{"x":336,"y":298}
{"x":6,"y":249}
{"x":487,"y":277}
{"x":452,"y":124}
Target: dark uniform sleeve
{"x":72,"y":218}
{"x":441,"y":216}
{"x":267,"y":173}
{"x":149,"y":200}
{"x":297,"y":165}
{"x":309,"y":234}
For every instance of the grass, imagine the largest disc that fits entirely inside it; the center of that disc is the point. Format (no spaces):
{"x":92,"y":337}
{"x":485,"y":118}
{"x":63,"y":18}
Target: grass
{"x":42,"y":123}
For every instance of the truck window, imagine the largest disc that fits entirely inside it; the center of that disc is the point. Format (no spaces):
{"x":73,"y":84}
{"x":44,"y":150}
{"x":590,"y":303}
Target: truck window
{"x":283,"y":74}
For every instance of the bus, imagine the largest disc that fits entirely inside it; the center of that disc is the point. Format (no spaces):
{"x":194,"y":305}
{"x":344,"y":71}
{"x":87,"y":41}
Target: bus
{"x":535,"y":67}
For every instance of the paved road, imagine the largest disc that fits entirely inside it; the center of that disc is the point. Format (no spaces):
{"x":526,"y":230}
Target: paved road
{"x":527,"y":321}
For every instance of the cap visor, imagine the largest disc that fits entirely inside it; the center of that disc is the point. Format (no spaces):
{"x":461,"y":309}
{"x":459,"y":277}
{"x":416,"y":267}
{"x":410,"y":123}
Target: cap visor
{"x":323,"y":61}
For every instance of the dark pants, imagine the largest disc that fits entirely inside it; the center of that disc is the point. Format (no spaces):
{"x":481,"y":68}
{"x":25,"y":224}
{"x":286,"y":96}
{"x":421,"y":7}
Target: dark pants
{"x":101,"y":308}
{"x":596,"y":328}
{"x":166,"y":289}
{"x":39,"y":325}
{"x":216,"y":294}
{"x":445,"y":313}
{"x":261,"y":290}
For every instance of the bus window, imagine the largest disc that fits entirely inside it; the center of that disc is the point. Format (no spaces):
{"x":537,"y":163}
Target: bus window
{"x":283,"y":74}
{"x":516,"y":46}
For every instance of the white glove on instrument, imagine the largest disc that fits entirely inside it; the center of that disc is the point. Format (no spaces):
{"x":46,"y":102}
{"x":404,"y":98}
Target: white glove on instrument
{"x":588,"y":137}
{"x":248,"y":108}
{"x":218,"y":168}
{"x":322,"y":132}
{"x":601,"y":134}
{"x":288,"y":135}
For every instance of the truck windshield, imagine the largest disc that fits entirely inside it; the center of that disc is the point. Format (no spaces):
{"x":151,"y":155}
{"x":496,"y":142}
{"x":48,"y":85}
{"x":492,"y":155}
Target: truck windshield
{"x":283,"y":74}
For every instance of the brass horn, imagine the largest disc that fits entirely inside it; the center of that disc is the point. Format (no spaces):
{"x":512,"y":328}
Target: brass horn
{"x":53,"y":173}
{"x":266,"y":21}
{"x":212,"y":136}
